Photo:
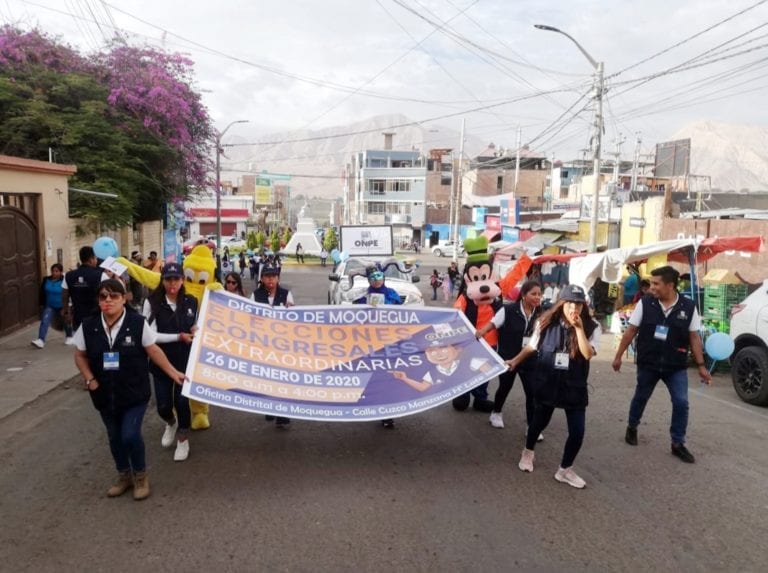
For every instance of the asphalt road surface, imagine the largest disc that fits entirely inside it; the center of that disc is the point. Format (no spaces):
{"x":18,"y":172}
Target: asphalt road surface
{"x":441,"y":492}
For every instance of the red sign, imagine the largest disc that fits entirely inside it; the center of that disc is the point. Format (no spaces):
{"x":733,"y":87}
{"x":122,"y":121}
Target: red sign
{"x":493,"y":223}
{"x":205,"y":212}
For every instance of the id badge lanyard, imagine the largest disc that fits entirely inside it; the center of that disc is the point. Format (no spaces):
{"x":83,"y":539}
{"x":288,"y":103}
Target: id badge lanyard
{"x":562,"y":358}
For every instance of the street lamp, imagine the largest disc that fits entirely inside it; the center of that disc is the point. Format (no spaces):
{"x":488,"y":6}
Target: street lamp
{"x":219,"y":151}
{"x":598,"y":66}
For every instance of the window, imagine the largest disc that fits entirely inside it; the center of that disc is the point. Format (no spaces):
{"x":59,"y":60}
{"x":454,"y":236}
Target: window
{"x":402,"y":163}
{"x":398,"y":185}
{"x":523,"y":201}
{"x":377,"y":162}
{"x":499,"y":182}
{"x":375,"y":208}
{"x":563,"y":192}
{"x":376,"y":186}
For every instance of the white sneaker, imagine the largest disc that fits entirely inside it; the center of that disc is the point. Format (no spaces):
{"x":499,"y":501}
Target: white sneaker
{"x":496,"y":420}
{"x":526,"y":461}
{"x":39,"y":343}
{"x":182,"y":451}
{"x":169,"y":435}
{"x":570,"y":477}
{"x":69,"y":341}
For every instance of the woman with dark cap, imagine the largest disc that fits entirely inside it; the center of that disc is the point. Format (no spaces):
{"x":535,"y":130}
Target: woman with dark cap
{"x":172,"y":314}
{"x":112,"y":350}
{"x":566,"y":338}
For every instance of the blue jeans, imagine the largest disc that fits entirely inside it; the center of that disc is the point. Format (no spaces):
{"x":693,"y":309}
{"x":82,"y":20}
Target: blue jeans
{"x":168,"y":396}
{"x":45,"y":322}
{"x":576,"y":419}
{"x":125,"y":440}
{"x":677,"y":384}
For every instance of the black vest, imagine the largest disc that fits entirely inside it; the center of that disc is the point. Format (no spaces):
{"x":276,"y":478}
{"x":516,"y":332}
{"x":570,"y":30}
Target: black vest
{"x":670,"y":354}
{"x":513,"y":331}
{"x":129,"y":385}
{"x":470,"y":310}
{"x":83,"y":286}
{"x":560,"y":388}
{"x":169,"y":322}
{"x":261,"y":295}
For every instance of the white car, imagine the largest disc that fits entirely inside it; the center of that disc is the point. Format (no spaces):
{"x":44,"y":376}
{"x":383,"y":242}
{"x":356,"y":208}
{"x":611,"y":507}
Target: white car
{"x":749,"y":361}
{"x":447,"y":249}
{"x":341,"y":292}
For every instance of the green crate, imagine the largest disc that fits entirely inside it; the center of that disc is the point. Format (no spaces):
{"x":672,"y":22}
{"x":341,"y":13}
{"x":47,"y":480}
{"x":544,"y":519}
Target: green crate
{"x":726,"y":291}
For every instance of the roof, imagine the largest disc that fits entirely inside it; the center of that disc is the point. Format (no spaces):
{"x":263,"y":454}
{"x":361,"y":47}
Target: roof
{"x":34,"y":166}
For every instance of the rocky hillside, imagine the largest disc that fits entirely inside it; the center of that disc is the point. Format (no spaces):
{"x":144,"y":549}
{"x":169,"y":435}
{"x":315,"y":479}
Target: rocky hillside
{"x":735,"y":156}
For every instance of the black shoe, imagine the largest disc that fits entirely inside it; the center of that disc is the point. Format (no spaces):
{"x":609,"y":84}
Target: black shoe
{"x":269,"y":418}
{"x":483,"y":405}
{"x":461,"y":403}
{"x":281,"y":422}
{"x":631,"y":436}
{"x":389,"y":424}
{"x":682,"y":452}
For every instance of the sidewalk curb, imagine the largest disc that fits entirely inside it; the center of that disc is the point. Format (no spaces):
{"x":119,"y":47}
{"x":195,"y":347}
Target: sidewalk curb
{"x":29,"y":403}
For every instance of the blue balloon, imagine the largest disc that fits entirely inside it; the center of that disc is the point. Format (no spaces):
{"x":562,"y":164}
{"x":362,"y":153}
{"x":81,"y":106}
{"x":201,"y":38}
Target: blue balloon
{"x":719,"y":346}
{"x":105,"y":247}
{"x":343,"y":256}
{"x":335,"y":256}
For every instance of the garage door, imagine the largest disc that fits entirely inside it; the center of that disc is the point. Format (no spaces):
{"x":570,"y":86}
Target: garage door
{"x":19,"y":275}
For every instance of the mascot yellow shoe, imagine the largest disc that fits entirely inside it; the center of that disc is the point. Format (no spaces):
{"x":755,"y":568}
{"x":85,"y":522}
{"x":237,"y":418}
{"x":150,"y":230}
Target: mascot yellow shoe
{"x":199,"y":276}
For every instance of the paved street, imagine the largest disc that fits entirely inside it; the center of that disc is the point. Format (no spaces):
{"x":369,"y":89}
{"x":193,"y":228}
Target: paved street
{"x":441,"y":492}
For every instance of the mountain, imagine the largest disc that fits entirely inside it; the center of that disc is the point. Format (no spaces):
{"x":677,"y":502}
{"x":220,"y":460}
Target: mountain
{"x":735,"y":156}
{"x":324,"y":156}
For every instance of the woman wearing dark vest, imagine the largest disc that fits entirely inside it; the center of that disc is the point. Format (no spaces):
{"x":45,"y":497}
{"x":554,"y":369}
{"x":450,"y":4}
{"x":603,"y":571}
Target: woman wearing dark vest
{"x":172,"y":314}
{"x":515,"y":323}
{"x":566,"y":339}
{"x":270,"y":292}
{"x":112,"y":350}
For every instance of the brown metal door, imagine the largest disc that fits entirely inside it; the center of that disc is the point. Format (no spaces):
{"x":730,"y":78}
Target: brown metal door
{"x":19,"y":275}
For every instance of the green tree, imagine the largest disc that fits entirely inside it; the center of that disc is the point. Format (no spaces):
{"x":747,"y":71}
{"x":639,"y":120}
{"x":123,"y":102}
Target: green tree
{"x":331,"y":241}
{"x":287,"y":234}
{"x":260,"y":239}
{"x":274,"y":241}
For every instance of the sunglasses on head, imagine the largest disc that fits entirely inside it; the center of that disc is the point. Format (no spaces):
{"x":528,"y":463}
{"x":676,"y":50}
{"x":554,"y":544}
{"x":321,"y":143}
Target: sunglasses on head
{"x":109,"y":295}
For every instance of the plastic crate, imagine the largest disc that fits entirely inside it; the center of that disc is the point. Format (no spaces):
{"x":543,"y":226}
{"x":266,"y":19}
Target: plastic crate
{"x":716,"y":313}
{"x":726,"y":291}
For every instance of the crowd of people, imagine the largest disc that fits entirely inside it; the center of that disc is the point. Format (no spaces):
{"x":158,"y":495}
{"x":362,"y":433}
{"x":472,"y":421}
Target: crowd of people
{"x":124,"y":346}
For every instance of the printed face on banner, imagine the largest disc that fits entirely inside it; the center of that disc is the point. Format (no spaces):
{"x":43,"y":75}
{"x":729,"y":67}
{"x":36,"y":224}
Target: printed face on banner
{"x":333,"y":362}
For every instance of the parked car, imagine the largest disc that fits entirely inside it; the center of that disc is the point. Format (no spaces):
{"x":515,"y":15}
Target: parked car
{"x":340,"y":292}
{"x":447,"y":249}
{"x":749,"y":361}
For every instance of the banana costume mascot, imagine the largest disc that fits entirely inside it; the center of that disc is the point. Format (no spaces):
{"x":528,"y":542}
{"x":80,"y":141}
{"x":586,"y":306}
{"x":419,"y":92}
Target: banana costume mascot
{"x":199,"y":272}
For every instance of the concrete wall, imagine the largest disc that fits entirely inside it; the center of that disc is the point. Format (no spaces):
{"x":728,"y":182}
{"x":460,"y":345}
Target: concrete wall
{"x":651,"y":210}
{"x":48,"y":181}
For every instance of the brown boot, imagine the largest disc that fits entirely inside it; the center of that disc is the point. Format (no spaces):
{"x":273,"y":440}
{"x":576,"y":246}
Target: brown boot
{"x":140,"y":486}
{"x":123,"y":484}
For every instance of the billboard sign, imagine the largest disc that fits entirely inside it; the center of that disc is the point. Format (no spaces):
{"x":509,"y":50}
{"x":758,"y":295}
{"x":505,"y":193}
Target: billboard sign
{"x":367,"y":240}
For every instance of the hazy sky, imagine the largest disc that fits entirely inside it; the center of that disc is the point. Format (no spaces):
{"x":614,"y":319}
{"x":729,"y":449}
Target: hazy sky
{"x":308,"y":64}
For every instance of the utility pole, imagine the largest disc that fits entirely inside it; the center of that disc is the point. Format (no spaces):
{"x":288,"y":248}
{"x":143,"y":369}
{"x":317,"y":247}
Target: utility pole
{"x":457,"y":208}
{"x":635,"y":164}
{"x":617,"y":161}
{"x":219,"y":151}
{"x":597,"y":138}
{"x":454,"y":170}
{"x":517,"y":158}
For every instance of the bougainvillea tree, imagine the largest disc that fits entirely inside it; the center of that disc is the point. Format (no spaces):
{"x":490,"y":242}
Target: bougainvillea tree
{"x":127,"y":117}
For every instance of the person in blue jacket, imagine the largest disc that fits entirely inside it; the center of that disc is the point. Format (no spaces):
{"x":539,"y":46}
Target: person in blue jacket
{"x":378,"y":292}
{"x":51,"y":302}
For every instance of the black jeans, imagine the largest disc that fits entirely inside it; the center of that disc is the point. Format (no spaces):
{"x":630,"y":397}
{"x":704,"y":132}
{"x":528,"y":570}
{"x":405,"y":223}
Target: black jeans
{"x":506,"y":381}
{"x":168,"y":396}
{"x":576,"y":422}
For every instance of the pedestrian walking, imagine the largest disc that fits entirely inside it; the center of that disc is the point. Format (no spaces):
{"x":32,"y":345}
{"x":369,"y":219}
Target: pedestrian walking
{"x":81,"y":287}
{"x":566,"y":338}
{"x":112,"y":350}
{"x":323,"y":256}
{"x":234,"y":284}
{"x":667,"y":326}
{"x":242,"y":263}
{"x":51,"y":304}
{"x":253,"y":266}
{"x":435,"y":282}
{"x":515,"y":323}
{"x":300,"y":253}
{"x":455,"y":278}
{"x":171,"y":313}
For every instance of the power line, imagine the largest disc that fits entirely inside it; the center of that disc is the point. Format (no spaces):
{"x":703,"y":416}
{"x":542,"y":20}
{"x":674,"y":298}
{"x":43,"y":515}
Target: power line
{"x":689,"y":38}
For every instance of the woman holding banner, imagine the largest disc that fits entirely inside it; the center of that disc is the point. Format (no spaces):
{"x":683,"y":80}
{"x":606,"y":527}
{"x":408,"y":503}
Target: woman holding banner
{"x":515,"y":323}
